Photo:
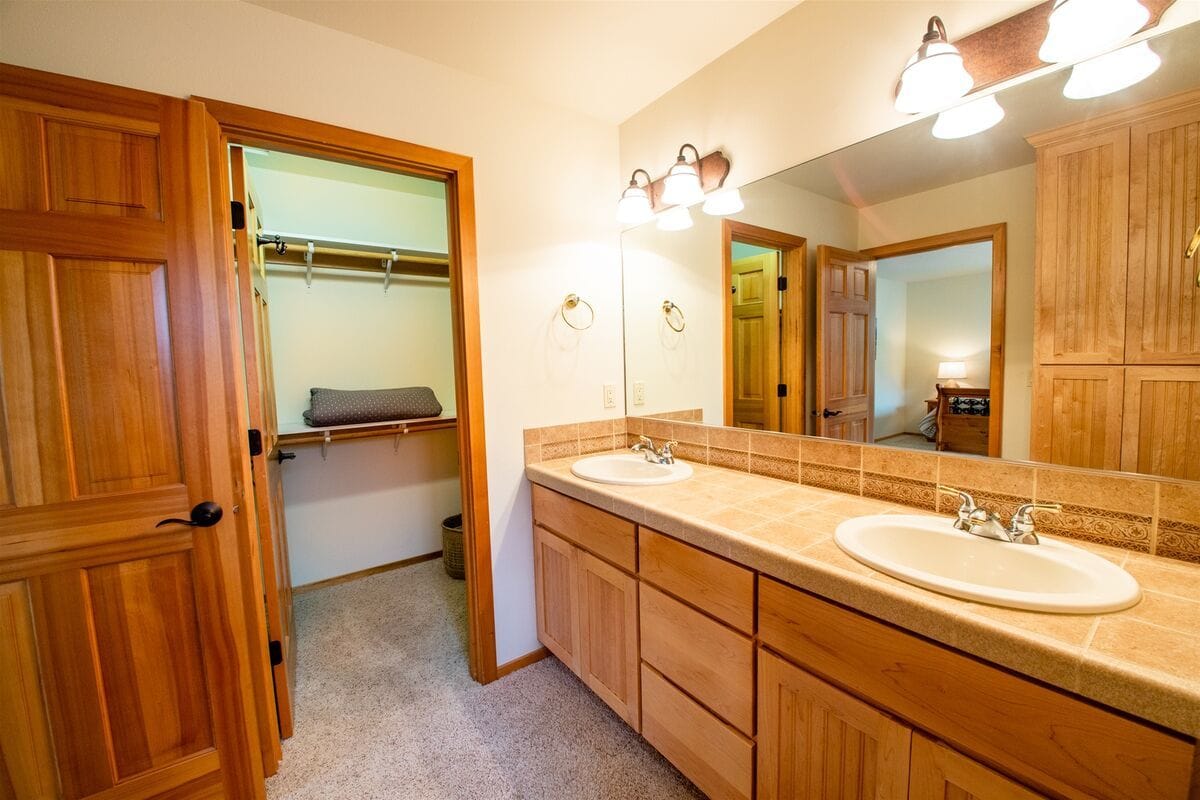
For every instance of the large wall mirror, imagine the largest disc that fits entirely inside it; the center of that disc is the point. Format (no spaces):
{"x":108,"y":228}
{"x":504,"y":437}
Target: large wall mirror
{"x":1021,"y":293}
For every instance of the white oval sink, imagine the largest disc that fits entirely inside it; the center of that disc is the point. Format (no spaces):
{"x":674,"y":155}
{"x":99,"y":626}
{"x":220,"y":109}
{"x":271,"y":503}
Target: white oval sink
{"x":629,"y":469}
{"x":931,"y":553}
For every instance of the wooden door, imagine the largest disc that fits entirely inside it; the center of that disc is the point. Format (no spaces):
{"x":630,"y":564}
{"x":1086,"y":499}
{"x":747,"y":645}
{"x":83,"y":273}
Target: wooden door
{"x":939,"y":773}
{"x":1082,"y":248}
{"x":608,"y":635}
{"x":1160,"y":434}
{"x":817,"y":741}
{"x":1163,"y":313}
{"x":130,"y":632}
{"x":845,"y":391}
{"x":268,"y":465}
{"x":1077,"y":422}
{"x":556,"y":585}
{"x":754,"y":304}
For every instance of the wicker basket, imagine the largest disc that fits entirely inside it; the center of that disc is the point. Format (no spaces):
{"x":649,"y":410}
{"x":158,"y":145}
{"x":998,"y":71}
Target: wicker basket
{"x":452,"y":546}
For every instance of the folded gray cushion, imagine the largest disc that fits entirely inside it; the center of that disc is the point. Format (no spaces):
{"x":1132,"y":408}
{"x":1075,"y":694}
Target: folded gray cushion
{"x":356,"y":406}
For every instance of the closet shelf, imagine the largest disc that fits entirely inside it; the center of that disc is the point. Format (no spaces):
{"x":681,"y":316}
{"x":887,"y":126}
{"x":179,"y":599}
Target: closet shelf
{"x":328,"y":253}
{"x":327,"y":435}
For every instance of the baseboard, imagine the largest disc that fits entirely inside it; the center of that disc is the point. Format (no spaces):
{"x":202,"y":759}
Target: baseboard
{"x":894,"y":435}
{"x":524,"y":661}
{"x":364,"y":573}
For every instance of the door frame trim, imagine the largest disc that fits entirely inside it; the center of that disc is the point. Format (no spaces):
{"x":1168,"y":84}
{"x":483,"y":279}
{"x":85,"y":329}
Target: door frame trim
{"x":997,"y":234}
{"x":794,"y":264}
{"x":256,"y":128}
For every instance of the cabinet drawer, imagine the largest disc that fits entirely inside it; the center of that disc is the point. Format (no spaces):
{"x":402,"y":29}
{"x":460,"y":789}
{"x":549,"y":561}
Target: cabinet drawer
{"x":599,"y":532}
{"x":711,"y":584}
{"x":711,"y":754}
{"x":709,"y":661}
{"x":1041,"y":735}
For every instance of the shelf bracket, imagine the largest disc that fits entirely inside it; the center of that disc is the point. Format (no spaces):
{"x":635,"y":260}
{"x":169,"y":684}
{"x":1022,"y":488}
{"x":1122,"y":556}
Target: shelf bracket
{"x":308,"y":257}
{"x":387,"y":270}
{"x":325,"y":445}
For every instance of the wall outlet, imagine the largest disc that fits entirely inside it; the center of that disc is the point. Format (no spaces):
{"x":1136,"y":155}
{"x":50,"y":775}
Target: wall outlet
{"x":610,"y":395}
{"x":639,"y":393}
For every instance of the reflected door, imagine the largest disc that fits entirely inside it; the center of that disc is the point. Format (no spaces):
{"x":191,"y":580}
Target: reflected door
{"x":755,"y":309}
{"x":124,"y":652}
{"x":845,"y":386}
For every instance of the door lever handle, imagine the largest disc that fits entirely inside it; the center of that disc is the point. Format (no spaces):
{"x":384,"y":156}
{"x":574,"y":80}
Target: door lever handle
{"x":203,"y":515}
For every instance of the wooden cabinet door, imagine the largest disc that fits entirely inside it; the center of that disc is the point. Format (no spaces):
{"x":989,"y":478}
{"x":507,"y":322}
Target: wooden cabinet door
{"x":817,"y":741}
{"x":1164,"y":210}
{"x":1078,"y":416}
{"x":130,"y":633}
{"x":939,"y":773}
{"x":845,"y":393}
{"x":556,"y":585}
{"x":1161,"y":429}
{"x":608,"y":635}
{"x":1082,"y":248}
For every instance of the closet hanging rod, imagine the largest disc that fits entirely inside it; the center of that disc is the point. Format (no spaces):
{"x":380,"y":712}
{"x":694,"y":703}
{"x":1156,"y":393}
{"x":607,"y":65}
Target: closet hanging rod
{"x":358,"y":256}
{"x":351,"y":247}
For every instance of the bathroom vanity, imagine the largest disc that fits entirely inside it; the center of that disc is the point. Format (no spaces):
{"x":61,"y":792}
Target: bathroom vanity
{"x":718,"y":619}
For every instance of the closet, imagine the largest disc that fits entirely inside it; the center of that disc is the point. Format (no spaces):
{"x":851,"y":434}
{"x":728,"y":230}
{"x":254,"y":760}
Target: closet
{"x":343,"y":282}
{"x":1117,"y":307}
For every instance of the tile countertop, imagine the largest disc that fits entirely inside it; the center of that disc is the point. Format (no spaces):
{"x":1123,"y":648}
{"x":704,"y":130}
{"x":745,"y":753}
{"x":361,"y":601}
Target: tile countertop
{"x":1144,"y":660}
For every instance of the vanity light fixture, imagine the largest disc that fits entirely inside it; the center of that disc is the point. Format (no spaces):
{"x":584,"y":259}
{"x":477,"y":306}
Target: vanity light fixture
{"x":634,"y":206}
{"x":676,"y":218}
{"x":968,"y":119}
{"x":723,"y":203}
{"x":1111,"y":72}
{"x":935,"y":76}
{"x":682,"y":186}
{"x":1080,"y":28}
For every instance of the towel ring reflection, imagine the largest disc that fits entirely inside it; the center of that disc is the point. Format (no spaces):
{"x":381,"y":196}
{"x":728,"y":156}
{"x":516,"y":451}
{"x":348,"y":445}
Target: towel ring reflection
{"x":669,"y":308}
{"x":571,"y":301}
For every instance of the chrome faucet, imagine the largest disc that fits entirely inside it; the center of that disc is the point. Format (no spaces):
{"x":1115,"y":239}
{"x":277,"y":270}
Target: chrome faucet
{"x":981,"y":522}
{"x":663,"y":455}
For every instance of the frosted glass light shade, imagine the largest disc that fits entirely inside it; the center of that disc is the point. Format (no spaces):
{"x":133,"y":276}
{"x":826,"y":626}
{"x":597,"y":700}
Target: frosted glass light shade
{"x":634,"y":206}
{"x":932,"y":80}
{"x":675,"y":219}
{"x":952,"y":370}
{"x":722,"y":203}
{"x":1080,"y":28}
{"x":1111,"y":72}
{"x":968,"y":119}
{"x":682,"y":185}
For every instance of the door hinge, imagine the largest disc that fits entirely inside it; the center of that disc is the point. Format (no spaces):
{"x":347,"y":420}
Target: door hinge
{"x":782,"y":283}
{"x":275,"y":650}
{"x":781,"y":390}
{"x":255,"y":437}
{"x":237,"y":213}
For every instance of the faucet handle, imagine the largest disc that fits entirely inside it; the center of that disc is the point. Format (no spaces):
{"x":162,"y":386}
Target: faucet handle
{"x":1024,"y":515}
{"x":968,"y":502}
{"x":667,"y":452}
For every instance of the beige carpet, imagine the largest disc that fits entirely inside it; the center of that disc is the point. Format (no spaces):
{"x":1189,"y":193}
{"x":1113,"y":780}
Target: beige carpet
{"x":385,"y":709}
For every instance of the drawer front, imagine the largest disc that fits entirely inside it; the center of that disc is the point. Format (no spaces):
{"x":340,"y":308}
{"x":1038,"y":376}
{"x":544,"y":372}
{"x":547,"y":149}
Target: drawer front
{"x":596,"y":531}
{"x":1043,"y":736}
{"x":711,"y":662}
{"x":711,"y":584}
{"x":711,"y":754}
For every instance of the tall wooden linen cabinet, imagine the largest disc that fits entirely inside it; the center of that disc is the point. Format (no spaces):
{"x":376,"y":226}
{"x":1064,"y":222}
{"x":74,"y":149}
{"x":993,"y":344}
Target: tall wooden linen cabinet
{"x":1117,"y":308}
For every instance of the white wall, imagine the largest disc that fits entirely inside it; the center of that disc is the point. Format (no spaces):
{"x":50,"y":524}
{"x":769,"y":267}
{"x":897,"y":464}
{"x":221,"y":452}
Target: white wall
{"x":1007,"y":196}
{"x":948,"y":320}
{"x":891,"y":320}
{"x":686,"y":370}
{"x":534,"y":247}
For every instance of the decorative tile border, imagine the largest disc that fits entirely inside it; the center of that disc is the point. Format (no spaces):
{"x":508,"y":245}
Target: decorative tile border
{"x":1112,"y":509}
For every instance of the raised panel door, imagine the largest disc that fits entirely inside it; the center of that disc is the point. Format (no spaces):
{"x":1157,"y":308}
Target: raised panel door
{"x":845,"y":385}
{"x":814,"y":740}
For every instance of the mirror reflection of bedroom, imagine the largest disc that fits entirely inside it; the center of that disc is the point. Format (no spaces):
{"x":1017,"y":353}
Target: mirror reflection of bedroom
{"x":348,"y":343}
{"x":932,"y":352}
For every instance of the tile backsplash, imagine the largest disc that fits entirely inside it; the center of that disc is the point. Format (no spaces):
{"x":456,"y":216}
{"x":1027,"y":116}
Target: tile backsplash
{"x":1141,"y":513}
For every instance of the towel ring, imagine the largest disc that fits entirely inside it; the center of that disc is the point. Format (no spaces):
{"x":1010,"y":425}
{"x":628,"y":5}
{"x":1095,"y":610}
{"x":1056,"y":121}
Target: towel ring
{"x":571,"y":301}
{"x":669,"y":307}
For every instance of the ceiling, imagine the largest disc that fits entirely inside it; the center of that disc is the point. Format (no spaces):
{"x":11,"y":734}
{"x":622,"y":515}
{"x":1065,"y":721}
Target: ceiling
{"x":909,"y":160}
{"x":605,"y":59}
{"x":947,"y":262}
